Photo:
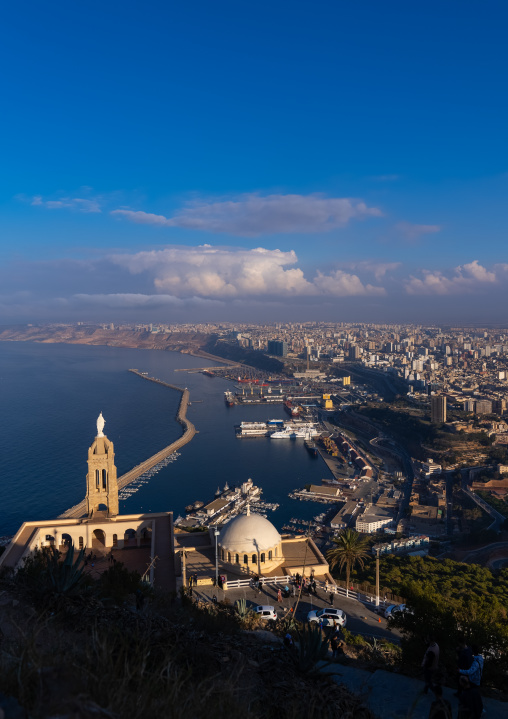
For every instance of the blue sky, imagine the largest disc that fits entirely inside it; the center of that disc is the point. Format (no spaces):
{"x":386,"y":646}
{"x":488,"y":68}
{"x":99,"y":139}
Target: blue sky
{"x":253,"y":160}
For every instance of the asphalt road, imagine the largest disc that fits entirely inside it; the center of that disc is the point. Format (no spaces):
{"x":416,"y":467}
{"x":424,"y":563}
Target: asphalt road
{"x":361,"y":619}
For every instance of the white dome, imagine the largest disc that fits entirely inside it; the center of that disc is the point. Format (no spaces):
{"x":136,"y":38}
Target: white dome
{"x":249,"y":533}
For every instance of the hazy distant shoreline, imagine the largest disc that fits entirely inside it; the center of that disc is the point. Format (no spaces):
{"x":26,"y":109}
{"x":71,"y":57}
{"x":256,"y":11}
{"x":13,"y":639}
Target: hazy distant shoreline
{"x":183,"y":342}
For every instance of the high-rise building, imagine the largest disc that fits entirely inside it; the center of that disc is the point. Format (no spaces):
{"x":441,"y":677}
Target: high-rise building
{"x":279,"y":348}
{"x":438,"y":409}
{"x":499,"y":406}
{"x":483,"y":406}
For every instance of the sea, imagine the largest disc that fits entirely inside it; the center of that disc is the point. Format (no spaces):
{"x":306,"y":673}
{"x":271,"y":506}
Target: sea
{"x":52,"y":394}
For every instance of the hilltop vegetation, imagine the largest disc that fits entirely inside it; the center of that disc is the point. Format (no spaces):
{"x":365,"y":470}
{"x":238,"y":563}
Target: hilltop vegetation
{"x":457,"y":582}
{"x":412,"y":429}
{"x":449,"y":598}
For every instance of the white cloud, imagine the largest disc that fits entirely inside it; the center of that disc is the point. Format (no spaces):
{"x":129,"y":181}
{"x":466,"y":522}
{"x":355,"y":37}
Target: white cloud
{"x":343,"y":284}
{"x":82,"y":204}
{"x":225,"y":272}
{"x":466,"y":278}
{"x":250,"y":215}
{"x":413,"y":232}
{"x":135,"y":301}
{"x":477,"y":272}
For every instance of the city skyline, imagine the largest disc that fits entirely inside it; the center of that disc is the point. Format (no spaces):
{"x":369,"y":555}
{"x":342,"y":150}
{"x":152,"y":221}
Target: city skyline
{"x":261,"y":163}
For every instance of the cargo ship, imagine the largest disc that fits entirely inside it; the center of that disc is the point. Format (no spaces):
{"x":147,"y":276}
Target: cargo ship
{"x":292,"y":409}
{"x":229,"y":398}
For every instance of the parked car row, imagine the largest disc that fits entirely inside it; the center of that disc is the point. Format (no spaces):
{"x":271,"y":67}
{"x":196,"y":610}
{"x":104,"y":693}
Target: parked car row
{"x":326,"y":617}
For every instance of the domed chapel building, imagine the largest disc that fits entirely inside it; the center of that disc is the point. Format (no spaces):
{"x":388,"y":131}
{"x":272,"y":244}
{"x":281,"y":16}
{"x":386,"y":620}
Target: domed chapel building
{"x":247,"y":545}
{"x":250,"y":542}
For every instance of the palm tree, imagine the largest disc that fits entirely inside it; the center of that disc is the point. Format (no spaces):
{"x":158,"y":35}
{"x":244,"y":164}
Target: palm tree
{"x":350,"y":548}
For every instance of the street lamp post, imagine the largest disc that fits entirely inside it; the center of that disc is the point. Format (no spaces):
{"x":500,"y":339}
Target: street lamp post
{"x":216,"y":559}
{"x":377,"y":576}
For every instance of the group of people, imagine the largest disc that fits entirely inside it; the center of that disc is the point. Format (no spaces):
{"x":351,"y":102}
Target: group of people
{"x":297,"y":584}
{"x":470,"y":671}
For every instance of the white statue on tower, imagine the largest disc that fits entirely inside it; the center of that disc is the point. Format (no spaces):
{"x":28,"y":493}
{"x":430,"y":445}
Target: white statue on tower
{"x":100,"y":425}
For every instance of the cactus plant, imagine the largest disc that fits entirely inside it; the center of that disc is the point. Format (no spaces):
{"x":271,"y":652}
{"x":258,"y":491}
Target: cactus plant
{"x":310,"y":648}
{"x":241,"y":608}
{"x":66,"y":576}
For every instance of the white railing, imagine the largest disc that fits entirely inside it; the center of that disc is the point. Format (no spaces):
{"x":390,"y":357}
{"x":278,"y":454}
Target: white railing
{"x":288,"y":579}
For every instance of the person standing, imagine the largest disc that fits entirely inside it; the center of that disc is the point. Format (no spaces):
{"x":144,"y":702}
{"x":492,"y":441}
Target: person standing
{"x":470,"y":700}
{"x":464,"y":654}
{"x":475,"y":671}
{"x":332,"y":598}
{"x":336,"y":644}
{"x":430,"y":664}
{"x":279,"y":596}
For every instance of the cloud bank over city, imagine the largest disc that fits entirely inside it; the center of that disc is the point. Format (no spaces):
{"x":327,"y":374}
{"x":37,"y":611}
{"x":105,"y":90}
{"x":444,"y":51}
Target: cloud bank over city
{"x":222,"y":281}
{"x":229,"y":272}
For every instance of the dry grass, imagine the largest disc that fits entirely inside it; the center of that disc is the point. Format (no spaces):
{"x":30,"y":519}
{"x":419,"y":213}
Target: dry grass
{"x":177,"y":662}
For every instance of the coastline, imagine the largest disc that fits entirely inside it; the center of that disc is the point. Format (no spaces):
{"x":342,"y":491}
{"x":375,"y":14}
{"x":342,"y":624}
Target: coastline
{"x":121,"y":339}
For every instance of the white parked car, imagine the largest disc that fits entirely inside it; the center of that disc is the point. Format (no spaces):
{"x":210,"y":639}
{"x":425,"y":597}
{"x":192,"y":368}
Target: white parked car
{"x":266,"y":612}
{"x":394,"y":609}
{"x":329,"y":617}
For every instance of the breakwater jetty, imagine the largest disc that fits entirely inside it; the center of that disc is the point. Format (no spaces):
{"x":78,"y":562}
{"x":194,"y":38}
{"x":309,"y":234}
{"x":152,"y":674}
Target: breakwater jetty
{"x":188,"y":433}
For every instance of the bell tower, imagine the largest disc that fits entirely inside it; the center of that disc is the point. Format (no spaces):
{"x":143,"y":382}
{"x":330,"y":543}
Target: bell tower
{"x":101,"y":480}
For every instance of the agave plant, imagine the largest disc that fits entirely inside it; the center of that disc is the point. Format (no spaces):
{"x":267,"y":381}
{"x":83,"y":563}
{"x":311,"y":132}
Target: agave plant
{"x":64,"y":577}
{"x":310,"y":648}
{"x":241,"y":608}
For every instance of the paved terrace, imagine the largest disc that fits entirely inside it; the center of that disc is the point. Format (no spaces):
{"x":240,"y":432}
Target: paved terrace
{"x":395,"y":696}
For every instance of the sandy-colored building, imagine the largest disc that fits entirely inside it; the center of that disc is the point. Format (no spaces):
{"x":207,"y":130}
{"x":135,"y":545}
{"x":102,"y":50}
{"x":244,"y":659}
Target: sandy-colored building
{"x":102,"y":529}
{"x":247,"y":545}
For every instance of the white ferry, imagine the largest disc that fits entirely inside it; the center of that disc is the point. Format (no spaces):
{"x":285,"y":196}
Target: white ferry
{"x":293,"y":430}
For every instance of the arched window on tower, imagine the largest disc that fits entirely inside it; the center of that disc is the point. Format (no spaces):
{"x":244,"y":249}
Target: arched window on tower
{"x":81,"y":542}
{"x":245,"y":559}
{"x":222,"y":554}
{"x":237,"y":559}
{"x":263,"y":558}
{"x":104,"y":479}
{"x":229,"y":556}
{"x":254,"y":559}
{"x":270,"y":555}
{"x":97,"y":478}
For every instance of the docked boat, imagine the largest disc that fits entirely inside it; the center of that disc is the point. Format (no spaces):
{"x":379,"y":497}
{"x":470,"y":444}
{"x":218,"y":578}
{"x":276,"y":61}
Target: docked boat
{"x":294,"y":431}
{"x":292,"y":409}
{"x":252,"y":429}
{"x":311,"y":447}
{"x":275,"y":423}
{"x":229,"y":398}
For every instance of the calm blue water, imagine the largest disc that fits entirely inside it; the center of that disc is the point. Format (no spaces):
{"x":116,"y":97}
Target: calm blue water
{"x":52,"y":394}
